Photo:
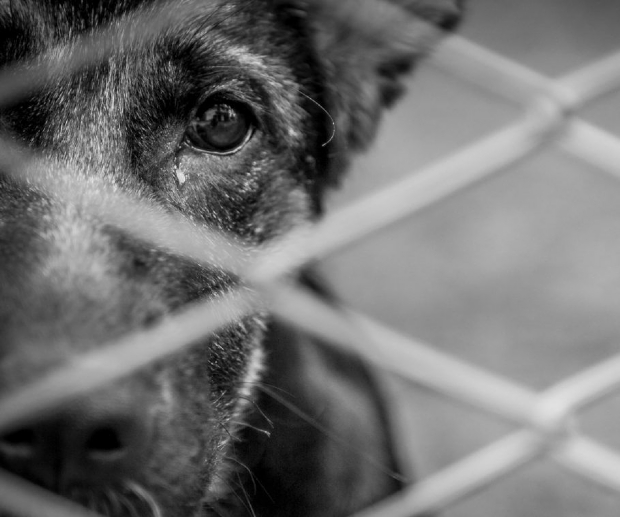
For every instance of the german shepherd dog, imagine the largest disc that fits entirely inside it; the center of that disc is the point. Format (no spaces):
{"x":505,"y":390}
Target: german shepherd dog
{"x":238,"y":116}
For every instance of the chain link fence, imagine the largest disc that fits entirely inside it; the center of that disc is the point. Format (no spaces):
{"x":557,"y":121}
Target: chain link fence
{"x":546,"y":420}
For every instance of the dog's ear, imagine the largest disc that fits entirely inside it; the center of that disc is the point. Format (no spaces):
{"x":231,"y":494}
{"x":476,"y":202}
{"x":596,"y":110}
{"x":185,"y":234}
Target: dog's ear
{"x":365,"y":48}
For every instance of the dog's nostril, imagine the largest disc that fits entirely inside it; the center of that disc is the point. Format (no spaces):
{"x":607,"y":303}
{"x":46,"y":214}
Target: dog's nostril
{"x":105,"y":442}
{"x":20,"y":440}
{"x":25,"y":437}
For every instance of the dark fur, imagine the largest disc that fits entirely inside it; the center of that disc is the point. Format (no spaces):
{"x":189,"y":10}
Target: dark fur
{"x":184,"y":431}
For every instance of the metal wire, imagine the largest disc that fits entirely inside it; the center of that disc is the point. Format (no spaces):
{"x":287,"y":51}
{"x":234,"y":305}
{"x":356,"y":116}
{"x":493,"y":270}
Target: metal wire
{"x":546,"y":420}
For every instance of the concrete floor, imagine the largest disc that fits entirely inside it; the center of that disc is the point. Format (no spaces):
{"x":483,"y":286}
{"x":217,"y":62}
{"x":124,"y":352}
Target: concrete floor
{"x":520,"y":274}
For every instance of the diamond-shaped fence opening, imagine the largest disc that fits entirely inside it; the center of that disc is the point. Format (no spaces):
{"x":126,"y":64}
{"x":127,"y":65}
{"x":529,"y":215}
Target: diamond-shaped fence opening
{"x":545,"y":420}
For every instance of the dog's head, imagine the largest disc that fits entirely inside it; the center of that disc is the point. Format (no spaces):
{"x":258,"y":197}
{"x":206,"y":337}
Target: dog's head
{"x":235,"y":115}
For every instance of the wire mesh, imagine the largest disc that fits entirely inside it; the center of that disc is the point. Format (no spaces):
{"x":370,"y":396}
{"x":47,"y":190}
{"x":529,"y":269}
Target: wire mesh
{"x":546,"y":420}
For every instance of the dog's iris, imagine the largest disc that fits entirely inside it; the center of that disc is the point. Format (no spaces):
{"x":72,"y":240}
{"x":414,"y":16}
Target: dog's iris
{"x":220,"y":127}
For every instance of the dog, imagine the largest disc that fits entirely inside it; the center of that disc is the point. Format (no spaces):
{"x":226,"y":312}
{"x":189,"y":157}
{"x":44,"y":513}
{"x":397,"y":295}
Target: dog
{"x":238,"y":116}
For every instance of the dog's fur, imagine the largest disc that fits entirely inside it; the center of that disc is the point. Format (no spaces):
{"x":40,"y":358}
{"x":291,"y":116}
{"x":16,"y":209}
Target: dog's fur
{"x":258,"y":419}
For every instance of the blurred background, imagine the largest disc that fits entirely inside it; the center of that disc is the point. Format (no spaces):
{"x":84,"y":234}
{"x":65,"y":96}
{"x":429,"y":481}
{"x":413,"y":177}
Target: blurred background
{"x":520,"y":274}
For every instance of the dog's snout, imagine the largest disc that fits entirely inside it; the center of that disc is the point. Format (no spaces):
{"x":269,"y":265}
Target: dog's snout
{"x":100,"y":441}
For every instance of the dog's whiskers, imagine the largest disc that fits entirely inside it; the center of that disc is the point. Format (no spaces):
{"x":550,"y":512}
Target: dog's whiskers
{"x":128,"y":500}
{"x":144,"y":497}
{"x":341,"y":441}
{"x":262,"y":413}
{"x":333,"y":122}
{"x":247,"y":469}
{"x":241,"y":424}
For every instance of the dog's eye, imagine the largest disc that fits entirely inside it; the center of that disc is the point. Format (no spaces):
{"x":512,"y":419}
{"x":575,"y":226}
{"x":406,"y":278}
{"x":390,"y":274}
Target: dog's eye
{"x":220,"y":127}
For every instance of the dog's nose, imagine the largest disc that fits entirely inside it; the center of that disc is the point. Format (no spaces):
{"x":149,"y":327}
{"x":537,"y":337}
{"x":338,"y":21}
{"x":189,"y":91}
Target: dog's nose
{"x":95,"y":442}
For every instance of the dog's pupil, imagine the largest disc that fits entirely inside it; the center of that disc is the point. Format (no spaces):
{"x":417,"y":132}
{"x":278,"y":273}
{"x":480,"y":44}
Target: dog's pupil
{"x":220,"y":127}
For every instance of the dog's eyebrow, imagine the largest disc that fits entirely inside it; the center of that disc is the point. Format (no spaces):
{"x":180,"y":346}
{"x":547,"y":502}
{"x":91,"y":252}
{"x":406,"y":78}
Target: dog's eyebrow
{"x":18,"y":32}
{"x":10,"y":10}
{"x":6,"y":10}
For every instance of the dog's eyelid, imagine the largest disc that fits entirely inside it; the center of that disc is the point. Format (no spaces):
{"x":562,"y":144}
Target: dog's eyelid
{"x":221,"y":125}
{"x":228,"y":94}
